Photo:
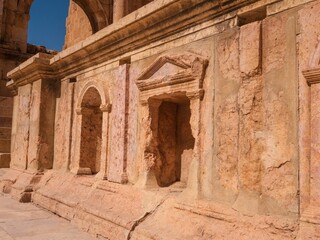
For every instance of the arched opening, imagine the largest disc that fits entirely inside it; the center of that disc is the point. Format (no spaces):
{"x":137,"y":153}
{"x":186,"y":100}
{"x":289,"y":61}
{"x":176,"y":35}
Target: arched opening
{"x":58,"y":25}
{"x":174,"y":140}
{"x":91,"y":131}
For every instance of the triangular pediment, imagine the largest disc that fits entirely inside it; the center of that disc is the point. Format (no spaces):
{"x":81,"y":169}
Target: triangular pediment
{"x":173,"y":70}
{"x":164,"y":66}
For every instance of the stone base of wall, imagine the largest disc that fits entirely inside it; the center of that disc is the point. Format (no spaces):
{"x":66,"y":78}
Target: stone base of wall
{"x":116,"y":211}
{"x":19,"y":184}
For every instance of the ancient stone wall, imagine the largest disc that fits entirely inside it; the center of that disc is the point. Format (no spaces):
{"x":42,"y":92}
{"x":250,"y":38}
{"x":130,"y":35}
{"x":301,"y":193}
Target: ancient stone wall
{"x":208,"y":115}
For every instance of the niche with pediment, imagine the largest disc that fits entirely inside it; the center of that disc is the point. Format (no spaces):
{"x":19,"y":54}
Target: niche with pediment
{"x":170,"y":98}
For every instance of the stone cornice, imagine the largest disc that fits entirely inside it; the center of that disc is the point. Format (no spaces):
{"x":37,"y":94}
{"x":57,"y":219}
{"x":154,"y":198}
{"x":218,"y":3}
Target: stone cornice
{"x":36,"y":67}
{"x":146,"y":25}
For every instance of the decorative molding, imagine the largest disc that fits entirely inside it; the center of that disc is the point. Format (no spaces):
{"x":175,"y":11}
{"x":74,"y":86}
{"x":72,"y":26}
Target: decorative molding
{"x":190,"y":68}
{"x":35,"y":68}
{"x":198,"y":94}
{"x":109,"y":43}
{"x":312,"y":75}
{"x":106,"y":108}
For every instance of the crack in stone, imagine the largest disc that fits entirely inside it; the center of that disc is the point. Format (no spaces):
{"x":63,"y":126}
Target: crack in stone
{"x":143,"y":218}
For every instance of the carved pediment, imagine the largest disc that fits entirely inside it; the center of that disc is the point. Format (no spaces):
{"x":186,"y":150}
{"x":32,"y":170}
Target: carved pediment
{"x":171,"y":70}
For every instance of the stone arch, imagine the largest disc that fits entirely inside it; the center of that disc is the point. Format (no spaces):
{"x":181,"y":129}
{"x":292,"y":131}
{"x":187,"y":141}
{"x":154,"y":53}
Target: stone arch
{"x":98,"y":12}
{"x":91,"y":131}
{"x":105,"y":101}
{"x":95,"y":12}
{"x":93,"y":8}
{"x":93,"y":110}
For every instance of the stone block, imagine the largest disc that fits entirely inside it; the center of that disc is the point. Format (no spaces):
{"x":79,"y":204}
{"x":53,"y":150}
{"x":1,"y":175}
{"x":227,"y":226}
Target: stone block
{"x":118,"y":132}
{"x":5,"y":160}
{"x":250,"y":48}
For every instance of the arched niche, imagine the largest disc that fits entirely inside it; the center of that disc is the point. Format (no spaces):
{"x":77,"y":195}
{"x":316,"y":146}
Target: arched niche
{"x":91,"y":131}
{"x":93,"y":109}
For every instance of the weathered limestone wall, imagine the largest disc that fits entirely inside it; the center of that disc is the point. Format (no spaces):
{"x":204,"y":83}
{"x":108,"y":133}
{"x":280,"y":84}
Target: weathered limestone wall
{"x":15,"y":17}
{"x":214,"y":123}
{"x":256,"y":119}
{"x":78,"y":26}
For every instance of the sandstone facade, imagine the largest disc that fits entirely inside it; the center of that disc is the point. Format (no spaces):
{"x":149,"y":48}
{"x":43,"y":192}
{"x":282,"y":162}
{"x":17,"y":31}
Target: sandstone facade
{"x":174,"y":119}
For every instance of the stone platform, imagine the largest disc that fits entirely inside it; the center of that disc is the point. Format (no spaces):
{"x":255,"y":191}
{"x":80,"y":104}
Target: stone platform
{"x":24,"y":221}
{"x":117,"y":211}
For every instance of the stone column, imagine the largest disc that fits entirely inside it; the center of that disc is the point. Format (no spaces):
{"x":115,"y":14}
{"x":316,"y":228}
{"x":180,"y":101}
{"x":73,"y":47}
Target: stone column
{"x":118,"y":9}
{"x":20,"y":133}
{"x":41,"y":129}
{"x":194,"y":180}
{"x":105,"y":109}
{"x":75,"y":158}
{"x":117,"y":169}
{"x":148,"y":151}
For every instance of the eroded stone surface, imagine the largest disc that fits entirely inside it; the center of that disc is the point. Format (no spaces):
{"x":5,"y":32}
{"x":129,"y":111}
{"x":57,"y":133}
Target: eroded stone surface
{"x":179,"y":110}
{"x":25,"y":221}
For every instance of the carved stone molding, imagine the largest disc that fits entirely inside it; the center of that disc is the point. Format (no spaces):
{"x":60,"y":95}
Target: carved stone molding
{"x":173,"y":70}
{"x":312,"y":75}
{"x":106,"y":108}
{"x":196,"y":94}
{"x":176,"y":79}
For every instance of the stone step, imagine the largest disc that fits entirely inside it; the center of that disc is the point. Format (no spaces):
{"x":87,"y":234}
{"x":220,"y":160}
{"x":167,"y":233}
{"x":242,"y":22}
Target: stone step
{"x":5,"y":133}
{"x":5,"y":121}
{"x":5,"y":146}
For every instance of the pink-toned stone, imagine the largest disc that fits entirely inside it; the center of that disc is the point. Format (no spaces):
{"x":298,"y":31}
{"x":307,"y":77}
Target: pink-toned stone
{"x":250,"y":48}
{"x":173,"y":112}
{"x":117,"y":169}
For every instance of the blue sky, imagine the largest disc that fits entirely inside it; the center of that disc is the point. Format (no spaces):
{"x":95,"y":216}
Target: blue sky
{"x":47,"y":23}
